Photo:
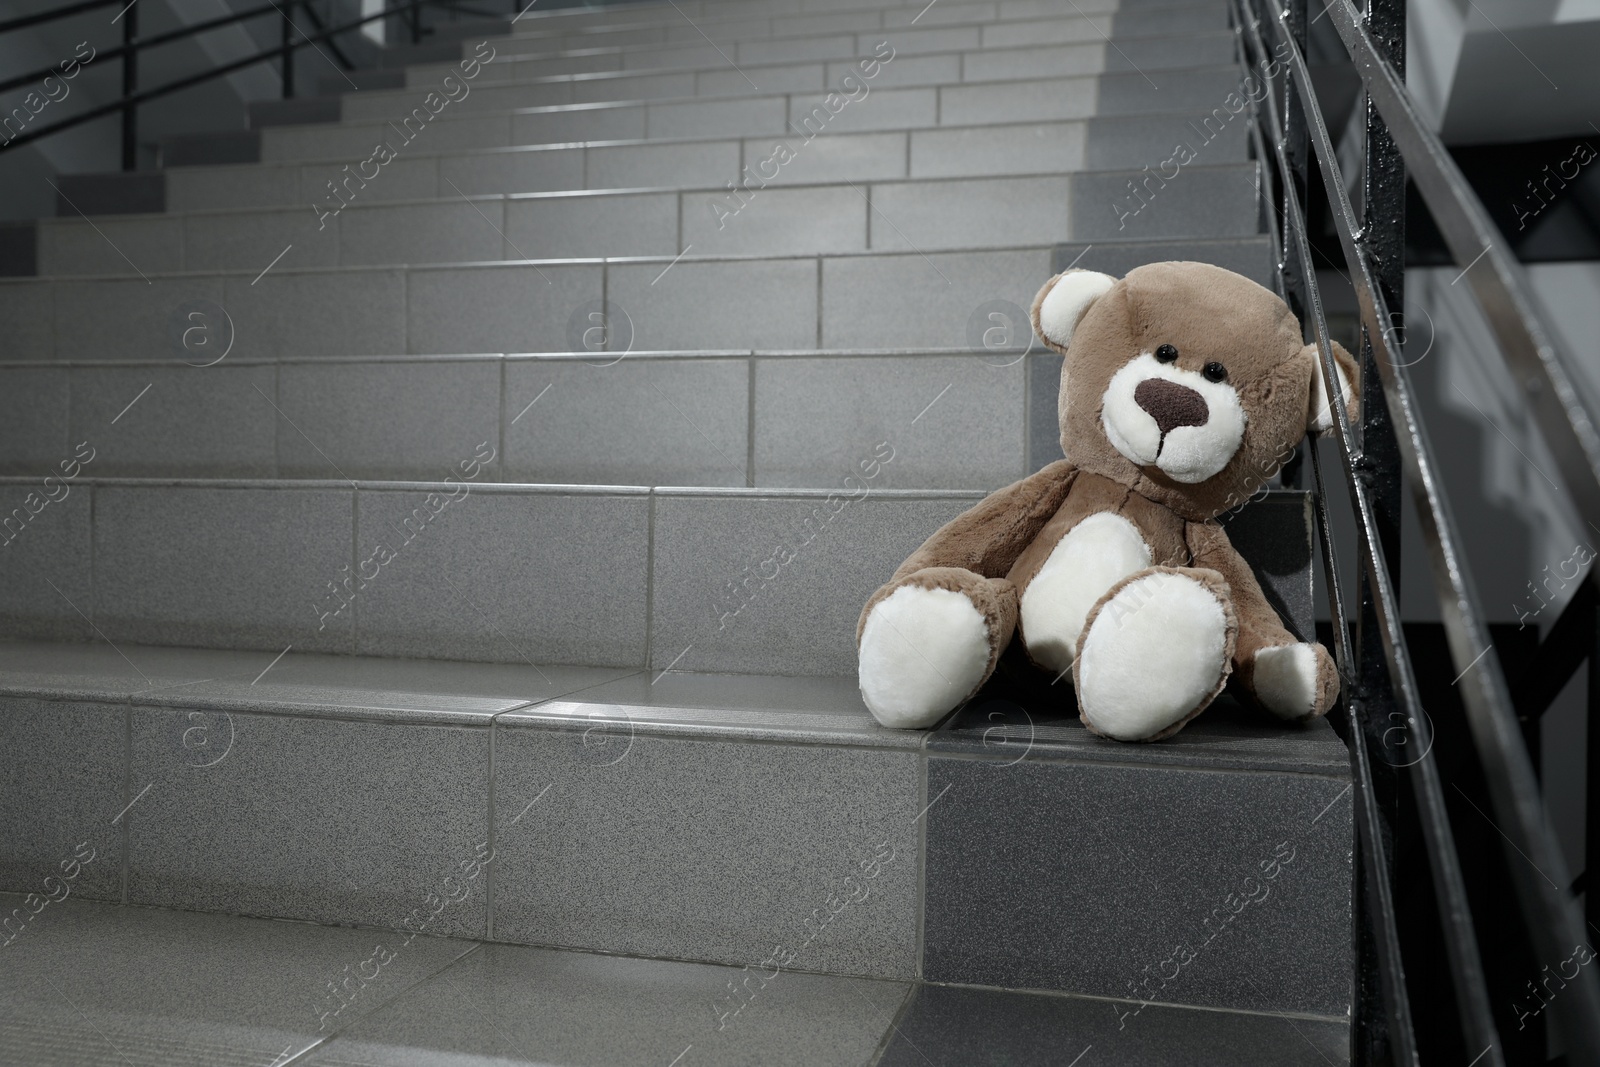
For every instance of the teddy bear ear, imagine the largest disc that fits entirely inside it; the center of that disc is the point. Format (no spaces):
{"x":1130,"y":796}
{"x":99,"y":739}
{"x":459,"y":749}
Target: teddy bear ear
{"x":1319,"y":419}
{"x":1062,"y":302}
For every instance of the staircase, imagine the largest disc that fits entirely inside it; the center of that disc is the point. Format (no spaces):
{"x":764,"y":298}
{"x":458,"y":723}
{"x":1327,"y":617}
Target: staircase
{"x":459,"y":553}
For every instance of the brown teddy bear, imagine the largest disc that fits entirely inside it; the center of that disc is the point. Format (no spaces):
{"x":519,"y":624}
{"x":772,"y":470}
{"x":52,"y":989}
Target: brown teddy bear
{"x":1184,"y":386}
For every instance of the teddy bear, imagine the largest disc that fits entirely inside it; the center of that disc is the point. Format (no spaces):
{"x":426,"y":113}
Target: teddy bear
{"x":1183,"y":387}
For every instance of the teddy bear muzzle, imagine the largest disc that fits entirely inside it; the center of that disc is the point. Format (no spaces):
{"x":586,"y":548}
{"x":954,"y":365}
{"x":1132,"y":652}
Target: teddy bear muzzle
{"x":1158,"y":414}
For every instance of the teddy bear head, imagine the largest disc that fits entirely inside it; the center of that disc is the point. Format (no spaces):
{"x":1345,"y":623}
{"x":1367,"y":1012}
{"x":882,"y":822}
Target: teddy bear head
{"x":1186,"y":382}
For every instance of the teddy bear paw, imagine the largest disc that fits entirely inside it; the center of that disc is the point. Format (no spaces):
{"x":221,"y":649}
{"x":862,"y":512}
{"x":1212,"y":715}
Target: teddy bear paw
{"x":923,"y":651}
{"x":1292,"y":681}
{"x":1154,"y":653}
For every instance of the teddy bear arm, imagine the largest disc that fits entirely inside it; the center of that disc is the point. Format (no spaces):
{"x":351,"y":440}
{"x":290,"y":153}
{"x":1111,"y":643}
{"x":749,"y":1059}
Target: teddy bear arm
{"x":1290,"y":678}
{"x":987,"y":538}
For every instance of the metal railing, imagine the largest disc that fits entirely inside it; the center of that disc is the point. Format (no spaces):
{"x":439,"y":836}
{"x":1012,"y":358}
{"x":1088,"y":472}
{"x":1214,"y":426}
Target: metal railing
{"x":1382,"y":696}
{"x":293,"y":37}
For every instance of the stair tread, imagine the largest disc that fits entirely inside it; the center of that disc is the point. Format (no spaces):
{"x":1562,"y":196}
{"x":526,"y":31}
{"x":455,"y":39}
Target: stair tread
{"x":728,"y":257}
{"x":650,"y":142}
{"x":668,"y":101}
{"x":1015,"y":716}
{"x":151,"y":985}
{"x":1037,"y":177}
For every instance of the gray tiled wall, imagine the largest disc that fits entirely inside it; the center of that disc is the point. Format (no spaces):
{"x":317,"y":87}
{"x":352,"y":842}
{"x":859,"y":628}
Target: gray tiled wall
{"x":941,"y":413}
{"x":228,"y":567}
{"x":1117,"y":908}
{"x":550,"y":576}
{"x":690,"y":849}
{"x":62,"y":789}
{"x":47,"y":593}
{"x":721,"y":603}
{"x":398,"y":419}
{"x":287,"y":822}
{"x":673,"y":422}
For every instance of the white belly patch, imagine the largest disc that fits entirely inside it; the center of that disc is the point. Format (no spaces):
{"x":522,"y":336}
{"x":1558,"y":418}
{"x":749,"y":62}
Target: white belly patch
{"x":1096,"y":554}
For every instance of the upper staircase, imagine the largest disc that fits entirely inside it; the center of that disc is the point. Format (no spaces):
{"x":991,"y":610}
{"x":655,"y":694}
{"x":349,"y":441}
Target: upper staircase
{"x":515,"y":496}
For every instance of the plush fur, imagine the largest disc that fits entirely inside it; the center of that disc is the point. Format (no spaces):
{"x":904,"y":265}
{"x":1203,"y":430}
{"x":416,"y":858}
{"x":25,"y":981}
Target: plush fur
{"x":1189,"y":386}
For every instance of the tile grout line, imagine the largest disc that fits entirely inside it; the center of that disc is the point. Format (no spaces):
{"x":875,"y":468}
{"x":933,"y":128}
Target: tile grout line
{"x":355,"y":569}
{"x":750,"y":424}
{"x":819,"y":302}
{"x":92,"y":599}
{"x":491,"y":876}
{"x":277,"y":422}
{"x":405,"y":309}
{"x":922,"y":857}
{"x":1027,"y":411}
{"x":324,"y":1042}
{"x":605,"y":319}
{"x":127,"y":787}
{"x":886,"y":1042}
{"x":649,"y":579}
{"x":500,"y":460}
{"x":868,"y":197}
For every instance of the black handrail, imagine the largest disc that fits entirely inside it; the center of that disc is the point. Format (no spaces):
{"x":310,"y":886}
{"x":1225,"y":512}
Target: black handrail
{"x":51,"y":16}
{"x":128,"y":54}
{"x":1540,"y":876}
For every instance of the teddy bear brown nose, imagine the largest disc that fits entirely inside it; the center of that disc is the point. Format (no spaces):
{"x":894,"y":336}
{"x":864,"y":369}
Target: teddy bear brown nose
{"x":1171,"y":405}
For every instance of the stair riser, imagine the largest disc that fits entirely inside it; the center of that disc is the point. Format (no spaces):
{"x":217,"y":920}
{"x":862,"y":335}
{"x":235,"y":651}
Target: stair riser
{"x":171,"y":570}
{"x":811,"y":14}
{"x":513,"y":87}
{"x":1056,"y":147}
{"x":682,"y":578}
{"x":932,"y":215}
{"x":848,"y":302}
{"x":1040,"y":100}
{"x":730,"y":421}
{"x":723,"y":23}
{"x":535,"y":21}
{"x":543,"y":795}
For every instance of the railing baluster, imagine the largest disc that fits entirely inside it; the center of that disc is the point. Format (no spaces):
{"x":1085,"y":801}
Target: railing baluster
{"x":1383,"y":242}
{"x":288,"y":49}
{"x":1591,"y":831}
{"x":130,"y":85}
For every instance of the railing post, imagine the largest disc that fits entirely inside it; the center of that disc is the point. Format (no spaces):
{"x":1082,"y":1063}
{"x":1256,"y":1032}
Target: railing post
{"x":1383,"y":245}
{"x":1591,"y":832}
{"x":1296,"y":144}
{"x":288,"y":49}
{"x":130,"y":82}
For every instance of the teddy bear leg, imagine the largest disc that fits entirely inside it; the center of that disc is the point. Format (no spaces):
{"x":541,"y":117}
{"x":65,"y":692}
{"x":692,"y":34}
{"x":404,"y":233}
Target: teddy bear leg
{"x":1155,"y":650}
{"x":929,"y":641}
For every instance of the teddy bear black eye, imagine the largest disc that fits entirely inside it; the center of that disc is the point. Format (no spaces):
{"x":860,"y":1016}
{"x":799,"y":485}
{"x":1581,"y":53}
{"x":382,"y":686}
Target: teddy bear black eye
{"x":1166,"y":353}
{"x":1214,"y":372}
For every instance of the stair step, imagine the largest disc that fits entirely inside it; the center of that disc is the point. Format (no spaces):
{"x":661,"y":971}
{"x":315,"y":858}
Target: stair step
{"x":372,"y":79}
{"x":728,"y":419}
{"x":312,"y":994}
{"x":670,"y":576}
{"x":927,"y":214}
{"x":764,"y":116}
{"x":871,"y":300}
{"x":136,"y":192}
{"x":211,"y":149}
{"x":755,"y":41}
{"x":510,"y":86}
{"x":985,"y":150}
{"x":698,"y":757}
{"x":294,"y":111}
